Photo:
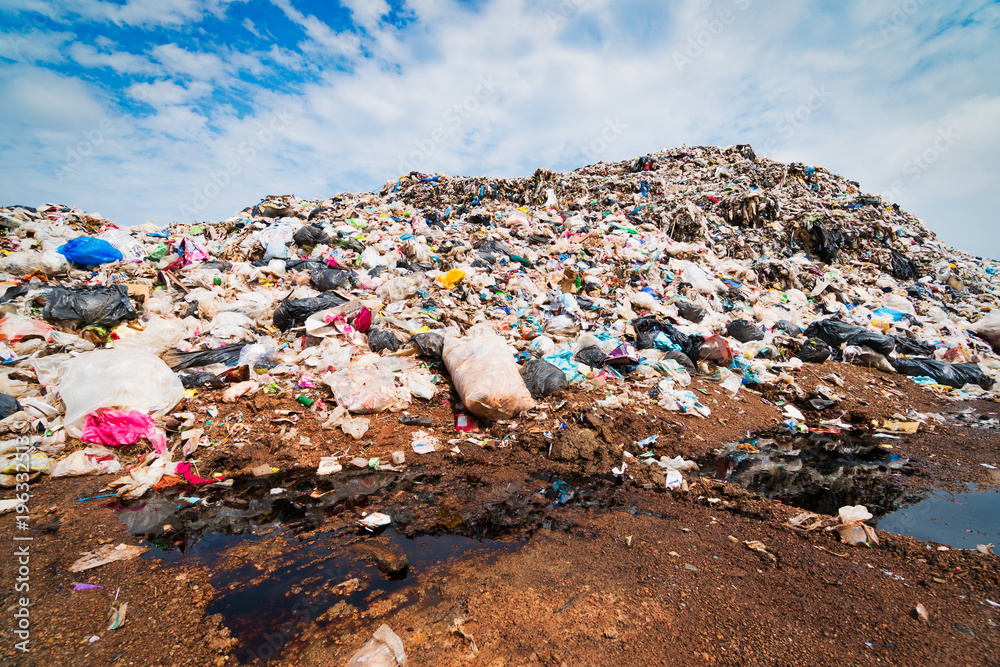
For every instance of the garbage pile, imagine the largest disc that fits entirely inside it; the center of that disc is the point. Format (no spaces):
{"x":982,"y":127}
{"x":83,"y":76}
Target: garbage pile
{"x":625,"y":279}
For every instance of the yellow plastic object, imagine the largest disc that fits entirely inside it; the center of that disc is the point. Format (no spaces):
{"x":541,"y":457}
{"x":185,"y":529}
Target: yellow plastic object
{"x":451,"y":278}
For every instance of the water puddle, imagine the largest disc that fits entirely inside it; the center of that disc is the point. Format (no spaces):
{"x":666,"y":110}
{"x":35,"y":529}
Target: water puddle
{"x":816,"y":472}
{"x":285,"y":562}
{"x":960,"y":520}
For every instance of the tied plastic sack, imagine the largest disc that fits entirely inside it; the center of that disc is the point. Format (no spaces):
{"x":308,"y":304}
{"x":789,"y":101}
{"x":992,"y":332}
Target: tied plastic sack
{"x":117,"y":378}
{"x":542,"y":378}
{"x":103,"y":306}
{"x":88,"y":251}
{"x":485,"y":375}
{"x":116,"y":428}
{"x":744,"y":331}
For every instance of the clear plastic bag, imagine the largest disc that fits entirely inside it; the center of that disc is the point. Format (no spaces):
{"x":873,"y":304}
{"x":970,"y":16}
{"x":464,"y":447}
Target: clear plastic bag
{"x":384,"y":649}
{"x":485,"y":375}
{"x":119,"y":378}
{"x":367,"y":390}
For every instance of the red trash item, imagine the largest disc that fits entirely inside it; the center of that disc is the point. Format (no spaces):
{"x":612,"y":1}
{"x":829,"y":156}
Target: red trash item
{"x":115,"y":428}
{"x":465,"y":424}
{"x":14,"y":328}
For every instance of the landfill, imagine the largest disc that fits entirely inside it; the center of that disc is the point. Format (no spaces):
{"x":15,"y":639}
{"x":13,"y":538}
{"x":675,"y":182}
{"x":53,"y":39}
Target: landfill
{"x":130,"y":352}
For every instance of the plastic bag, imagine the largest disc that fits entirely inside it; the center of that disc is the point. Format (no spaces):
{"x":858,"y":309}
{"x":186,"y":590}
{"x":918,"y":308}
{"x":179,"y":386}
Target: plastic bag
{"x":231,"y":325}
{"x":25,"y":262}
{"x":913,"y":347}
{"x":329,"y":279}
{"x":744,"y":331}
{"x":202,"y":379}
{"x":989,"y":329}
{"x":14,"y":329}
{"x":88,"y":251}
{"x":836,"y":332}
{"x":562,"y":325}
{"x":103,"y":306}
{"x":366,"y":390}
{"x":420,"y":384}
{"x":647,"y":327}
{"x":592,"y":356}
{"x":690,"y":311}
{"x":8,"y":406}
{"x":861,"y":355}
{"x":160,"y":334}
{"x":485,"y":375}
{"x":384,"y":649}
{"x":379,"y":340}
{"x":116,"y":378}
{"x":227,"y":355}
{"x":904,"y":268}
{"x":89,"y":461}
{"x":952,"y":375}
{"x":716,"y":349}
{"x":429,"y":344}
{"x":114,"y":428}
{"x":293,"y":312}
{"x":542,"y":378}
{"x":790,"y":328}
{"x":310,"y":235}
{"x":815,"y":351}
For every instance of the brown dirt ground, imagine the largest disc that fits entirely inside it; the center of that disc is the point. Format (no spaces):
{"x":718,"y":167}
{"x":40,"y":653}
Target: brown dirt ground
{"x":644,"y":577}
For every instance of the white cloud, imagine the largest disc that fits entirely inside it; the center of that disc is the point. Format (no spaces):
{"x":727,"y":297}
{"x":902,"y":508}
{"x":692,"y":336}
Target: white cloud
{"x":249,"y":25}
{"x":165,"y":93}
{"x":121,"y":62}
{"x":366,"y":13}
{"x":322,"y":37}
{"x":198,"y":65}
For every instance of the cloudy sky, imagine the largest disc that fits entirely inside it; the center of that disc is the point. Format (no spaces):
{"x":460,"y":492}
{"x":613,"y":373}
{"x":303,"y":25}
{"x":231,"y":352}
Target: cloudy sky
{"x":192,"y":109}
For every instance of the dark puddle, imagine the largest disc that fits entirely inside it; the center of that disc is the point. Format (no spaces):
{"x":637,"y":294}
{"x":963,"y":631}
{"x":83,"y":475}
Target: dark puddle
{"x":268,"y":604}
{"x":817,"y":472}
{"x":960,"y":520}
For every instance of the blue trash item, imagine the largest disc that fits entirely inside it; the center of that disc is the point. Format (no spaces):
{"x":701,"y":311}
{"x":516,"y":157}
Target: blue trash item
{"x":88,"y":251}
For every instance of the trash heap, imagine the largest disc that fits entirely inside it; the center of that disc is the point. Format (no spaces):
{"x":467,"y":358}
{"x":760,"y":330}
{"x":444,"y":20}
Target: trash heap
{"x":623,"y":279}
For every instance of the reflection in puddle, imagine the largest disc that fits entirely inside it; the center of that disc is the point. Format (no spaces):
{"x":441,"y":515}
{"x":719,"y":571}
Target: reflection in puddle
{"x":960,"y":520}
{"x":818,"y":472}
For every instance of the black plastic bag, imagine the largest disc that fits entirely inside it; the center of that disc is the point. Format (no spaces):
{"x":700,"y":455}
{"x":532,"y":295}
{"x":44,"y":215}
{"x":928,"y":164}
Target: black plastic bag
{"x":815,"y":351}
{"x":310,"y":235}
{"x":904,"y":268}
{"x":952,"y":375}
{"x":648,"y":324}
{"x":542,"y":378}
{"x":16,"y":291}
{"x":913,"y":347}
{"x":789,"y":328}
{"x":296,"y":311}
{"x":103,"y":306}
{"x":592,"y":356}
{"x":836,"y":332}
{"x":8,"y":406}
{"x":690,"y":311}
{"x":379,"y":339}
{"x":429,"y":345}
{"x":328,"y":279}
{"x":305,"y":264}
{"x":202,"y":379}
{"x":744,"y":331}
{"x":228,"y":355}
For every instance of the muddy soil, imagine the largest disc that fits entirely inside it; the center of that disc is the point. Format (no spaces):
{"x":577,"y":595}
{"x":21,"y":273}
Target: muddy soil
{"x":516,"y":545}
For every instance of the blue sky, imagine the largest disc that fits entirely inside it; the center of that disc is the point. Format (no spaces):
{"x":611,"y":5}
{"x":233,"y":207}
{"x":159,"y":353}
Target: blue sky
{"x":192,"y":109}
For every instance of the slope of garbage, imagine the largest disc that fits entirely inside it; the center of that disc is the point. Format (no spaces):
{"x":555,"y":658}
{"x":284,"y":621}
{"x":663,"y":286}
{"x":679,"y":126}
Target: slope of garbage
{"x":623,"y":279}
{"x":370,"y":369}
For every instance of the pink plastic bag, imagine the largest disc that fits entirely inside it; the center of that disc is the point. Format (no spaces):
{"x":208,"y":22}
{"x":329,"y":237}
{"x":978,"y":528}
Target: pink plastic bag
{"x":14,"y":328}
{"x":114,"y":428}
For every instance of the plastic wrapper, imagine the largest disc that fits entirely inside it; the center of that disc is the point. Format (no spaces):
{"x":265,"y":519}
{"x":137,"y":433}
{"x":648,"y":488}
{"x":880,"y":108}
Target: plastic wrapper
{"x":293,"y":312}
{"x":103,"y":306}
{"x":485,"y":375}
{"x":88,"y":251}
{"x":116,"y":378}
{"x":542,"y":378}
{"x":367,"y":390}
{"x":952,"y":375}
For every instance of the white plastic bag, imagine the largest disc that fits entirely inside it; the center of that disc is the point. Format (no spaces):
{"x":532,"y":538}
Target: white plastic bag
{"x":94,"y":460}
{"x":485,"y":375}
{"x":989,"y":328}
{"x":367,"y":390}
{"x":117,"y":378}
{"x":384,"y":649}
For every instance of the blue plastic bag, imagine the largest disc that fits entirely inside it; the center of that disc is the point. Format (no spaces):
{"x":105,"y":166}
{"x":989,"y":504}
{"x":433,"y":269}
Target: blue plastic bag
{"x":88,"y":251}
